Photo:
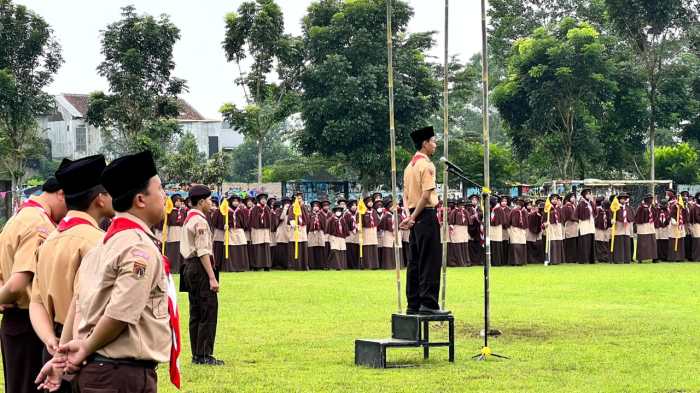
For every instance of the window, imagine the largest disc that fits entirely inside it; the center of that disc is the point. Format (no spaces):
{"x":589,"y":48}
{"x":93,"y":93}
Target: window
{"x":213,"y":145}
{"x":81,"y":139}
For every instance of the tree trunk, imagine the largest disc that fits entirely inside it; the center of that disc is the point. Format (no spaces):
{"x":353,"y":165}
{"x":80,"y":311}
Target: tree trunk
{"x":259,"y":163}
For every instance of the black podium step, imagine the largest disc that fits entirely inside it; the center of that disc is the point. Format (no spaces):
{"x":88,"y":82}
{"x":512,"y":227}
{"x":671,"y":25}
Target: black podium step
{"x":408,"y":331}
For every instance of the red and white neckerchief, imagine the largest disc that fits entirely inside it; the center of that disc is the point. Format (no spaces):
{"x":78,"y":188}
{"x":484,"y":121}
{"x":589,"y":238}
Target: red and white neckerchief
{"x":417,"y":157}
{"x":371,"y":219}
{"x":662,"y":218}
{"x":340,"y":226}
{"x":520,"y":217}
{"x":123,"y":224}
{"x":35,"y":204}
{"x":70,"y":222}
{"x":193,"y":213}
{"x":235,"y":217}
{"x":262,"y":214}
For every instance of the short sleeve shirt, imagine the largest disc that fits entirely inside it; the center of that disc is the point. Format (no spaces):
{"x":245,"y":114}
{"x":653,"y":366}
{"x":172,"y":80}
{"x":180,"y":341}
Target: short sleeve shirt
{"x":19,"y":242}
{"x":124,"y":279}
{"x":419,"y":176}
{"x":197,"y":239}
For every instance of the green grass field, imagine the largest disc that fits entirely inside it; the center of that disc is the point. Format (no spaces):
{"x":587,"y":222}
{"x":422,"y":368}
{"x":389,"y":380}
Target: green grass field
{"x":570,"y":328}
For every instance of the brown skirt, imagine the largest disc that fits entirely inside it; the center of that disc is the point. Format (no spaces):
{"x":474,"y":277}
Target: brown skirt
{"x":673,"y":254}
{"x":172,"y":252}
{"x":302,"y":262}
{"x":476,"y":253}
{"x":622,"y":253}
{"x":457,"y":254}
{"x":261,"y":258}
{"x":338,"y":260}
{"x":571,"y":250}
{"x":602,"y":252}
{"x":517,"y":254}
{"x":386,"y":258}
{"x":585,"y":247}
{"x":353,"y":255}
{"x":662,"y":249}
{"x":280,"y":256}
{"x":556,"y":252}
{"x":499,"y":253}
{"x":370,"y":257}
{"x":238,"y":259}
{"x":317,"y":258}
{"x":646,"y":247}
{"x":535,"y":252}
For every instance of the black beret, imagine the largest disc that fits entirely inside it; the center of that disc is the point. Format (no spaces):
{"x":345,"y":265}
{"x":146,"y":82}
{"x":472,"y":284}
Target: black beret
{"x":338,"y":209}
{"x":51,"y":185}
{"x":422,"y":134}
{"x":261,"y":196}
{"x":200,"y":191}
{"x":128,"y":173}
{"x":77,"y":177}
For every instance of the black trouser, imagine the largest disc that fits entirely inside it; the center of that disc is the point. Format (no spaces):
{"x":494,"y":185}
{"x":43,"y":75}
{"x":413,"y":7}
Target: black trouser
{"x":423,"y":271}
{"x":21,"y":351}
{"x":204,"y":307}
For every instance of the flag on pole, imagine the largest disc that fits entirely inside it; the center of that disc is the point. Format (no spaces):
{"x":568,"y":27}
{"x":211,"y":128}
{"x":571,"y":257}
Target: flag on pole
{"x":296,"y":209}
{"x":174,"y":326}
{"x":224,"y":209}
{"x":614,"y":208}
{"x":168,"y":209}
{"x":361,"y":209}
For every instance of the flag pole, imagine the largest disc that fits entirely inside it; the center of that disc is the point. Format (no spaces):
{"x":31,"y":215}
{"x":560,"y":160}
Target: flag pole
{"x":445,"y":182}
{"x":392,"y":147}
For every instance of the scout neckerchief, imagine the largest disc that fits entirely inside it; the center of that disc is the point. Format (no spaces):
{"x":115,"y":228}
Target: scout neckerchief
{"x":123,"y":224}
{"x":417,"y":157}
{"x":193,"y":213}
{"x":70,"y":222}
{"x":33,"y":203}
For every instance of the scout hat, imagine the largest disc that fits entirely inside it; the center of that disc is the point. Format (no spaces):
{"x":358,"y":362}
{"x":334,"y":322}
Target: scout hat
{"x":81,"y":176}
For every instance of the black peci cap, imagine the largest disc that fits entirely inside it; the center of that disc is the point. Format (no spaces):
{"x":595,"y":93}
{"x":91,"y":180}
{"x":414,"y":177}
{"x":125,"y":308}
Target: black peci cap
{"x":422,"y":134}
{"x":51,"y":185}
{"x":128,"y":173}
{"x":80,"y":176}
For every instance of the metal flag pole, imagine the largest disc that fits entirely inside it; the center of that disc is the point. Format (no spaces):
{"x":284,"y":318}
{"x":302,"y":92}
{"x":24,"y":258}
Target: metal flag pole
{"x":445,"y":182}
{"x":392,"y":143}
{"x":486,"y":193}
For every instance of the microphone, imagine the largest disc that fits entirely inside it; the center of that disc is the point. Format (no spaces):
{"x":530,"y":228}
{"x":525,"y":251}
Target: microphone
{"x":450,"y":165}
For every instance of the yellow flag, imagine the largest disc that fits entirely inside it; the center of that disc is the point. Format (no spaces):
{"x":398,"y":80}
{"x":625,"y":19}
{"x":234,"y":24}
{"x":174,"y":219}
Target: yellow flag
{"x":615,"y":205}
{"x":547,"y":205}
{"x":681,"y":202}
{"x":168,"y":209}
{"x":224,"y":209}
{"x":296,"y":209}
{"x":614,"y":208}
{"x":362,"y":208}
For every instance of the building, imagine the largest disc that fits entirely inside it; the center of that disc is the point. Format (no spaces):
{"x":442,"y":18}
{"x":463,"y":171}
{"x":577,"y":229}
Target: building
{"x":71,"y":137}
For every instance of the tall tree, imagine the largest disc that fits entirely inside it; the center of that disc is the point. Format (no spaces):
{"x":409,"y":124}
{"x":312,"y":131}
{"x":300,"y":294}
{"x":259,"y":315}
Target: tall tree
{"x":29,"y":58}
{"x":140,"y":108}
{"x":657,"y":31}
{"x":256,"y":31}
{"x":186,"y":163}
{"x":557,"y":90}
{"x":344,"y":95}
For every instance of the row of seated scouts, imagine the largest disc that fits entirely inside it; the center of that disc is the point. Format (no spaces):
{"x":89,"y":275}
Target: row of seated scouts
{"x":262,"y":232}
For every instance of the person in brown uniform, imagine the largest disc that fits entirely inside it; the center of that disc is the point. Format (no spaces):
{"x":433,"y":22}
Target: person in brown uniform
{"x":280,"y":256}
{"x":298,"y":235}
{"x":499,"y":220}
{"x":317,"y":243}
{"x":370,"y":239}
{"x":352,"y":241}
{"x":172,"y":243}
{"x":646,"y":232}
{"x":425,"y":262}
{"x":260,"y":225}
{"x":121,"y":302}
{"x":196,"y":248}
{"x":661,"y":221}
{"x":678,"y":219}
{"x":337,"y":232}
{"x":622,"y":251}
{"x":535,"y":224}
{"x":585,"y":211}
{"x":695,"y":229}
{"x":570,"y":221}
{"x":603,"y":224}
{"x":19,"y":240}
{"x":476,"y":230}
{"x":238,"y":260}
{"x":555,"y":231}
{"x":458,"y":245}
{"x":517,"y":255}
{"x":387,"y":256}
{"x":59,"y":257}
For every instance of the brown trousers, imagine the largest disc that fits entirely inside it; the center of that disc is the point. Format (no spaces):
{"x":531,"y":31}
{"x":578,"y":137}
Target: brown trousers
{"x":204,"y":308}
{"x":116,"y":378}
{"x":21,"y":351}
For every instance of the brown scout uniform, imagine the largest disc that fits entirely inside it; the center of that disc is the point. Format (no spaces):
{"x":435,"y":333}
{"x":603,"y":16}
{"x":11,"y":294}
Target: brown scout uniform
{"x":21,"y":348}
{"x":123,"y":278}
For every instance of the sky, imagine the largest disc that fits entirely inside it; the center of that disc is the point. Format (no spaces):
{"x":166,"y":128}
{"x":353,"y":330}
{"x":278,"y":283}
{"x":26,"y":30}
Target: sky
{"x":198,"y":54}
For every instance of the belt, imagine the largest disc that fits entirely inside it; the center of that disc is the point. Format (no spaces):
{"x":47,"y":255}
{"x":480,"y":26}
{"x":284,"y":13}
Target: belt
{"x":150,"y":364}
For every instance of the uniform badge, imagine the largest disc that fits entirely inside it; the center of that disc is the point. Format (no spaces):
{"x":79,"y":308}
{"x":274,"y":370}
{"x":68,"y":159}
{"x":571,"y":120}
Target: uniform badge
{"x":139,"y":269}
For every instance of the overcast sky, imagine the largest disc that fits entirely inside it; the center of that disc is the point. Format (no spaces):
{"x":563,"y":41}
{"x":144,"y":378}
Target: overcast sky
{"x":198,"y":55}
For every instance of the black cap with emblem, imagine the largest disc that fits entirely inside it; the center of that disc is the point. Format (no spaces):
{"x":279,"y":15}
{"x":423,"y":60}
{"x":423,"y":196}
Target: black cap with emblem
{"x":81,"y":176}
{"x":199,"y":192}
{"x":421,"y":135}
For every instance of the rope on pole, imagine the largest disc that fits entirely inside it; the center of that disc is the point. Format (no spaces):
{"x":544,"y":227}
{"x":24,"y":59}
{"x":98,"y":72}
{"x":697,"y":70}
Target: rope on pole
{"x":445,"y":182}
{"x":392,"y":147}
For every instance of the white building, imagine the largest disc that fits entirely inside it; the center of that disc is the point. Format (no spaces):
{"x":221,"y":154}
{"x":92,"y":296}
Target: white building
{"x":71,"y":137}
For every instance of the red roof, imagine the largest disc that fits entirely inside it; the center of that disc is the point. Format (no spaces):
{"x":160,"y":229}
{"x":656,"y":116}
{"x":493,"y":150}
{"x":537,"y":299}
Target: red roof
{"x":80,"y":103}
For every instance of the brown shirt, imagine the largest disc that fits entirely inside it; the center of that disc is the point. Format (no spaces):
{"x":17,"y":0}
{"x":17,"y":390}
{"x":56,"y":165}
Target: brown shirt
{"x":19,"y":241}
{"x":419,"y":176}
{"x":58,"y":260}
{"x":124,"y":279}
{"x":196,"y":238}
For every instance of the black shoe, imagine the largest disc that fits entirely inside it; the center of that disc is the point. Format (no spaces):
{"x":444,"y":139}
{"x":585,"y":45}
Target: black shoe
{"x":196,"y":360}
{"x":211,"y":361}
{"x":432,"y":311}
{"x":411,"y":311}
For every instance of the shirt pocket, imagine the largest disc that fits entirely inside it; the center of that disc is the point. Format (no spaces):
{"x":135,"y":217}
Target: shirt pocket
{"x":159,"y":300}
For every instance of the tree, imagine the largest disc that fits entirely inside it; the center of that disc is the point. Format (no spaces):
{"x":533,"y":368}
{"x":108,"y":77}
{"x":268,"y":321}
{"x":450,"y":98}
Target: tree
{"x":656,"y":31}
{"x":679,"y":163}
{"x":216,"y":169}
{"x":557,"y":89}
{"x":344,"y":83}
{"x":140,"y":109}
{"x":469,"y":156}
{"x":256,"y":31}
{"x":29,"y":58}
{"x":186,"y":164}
